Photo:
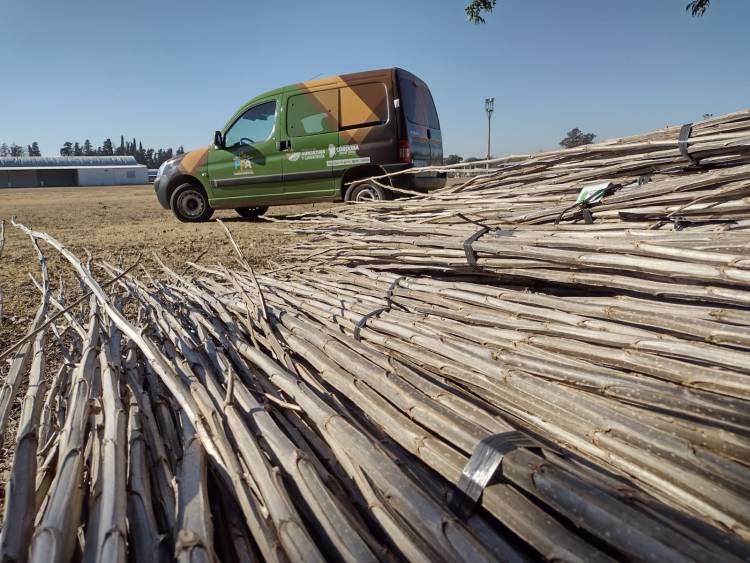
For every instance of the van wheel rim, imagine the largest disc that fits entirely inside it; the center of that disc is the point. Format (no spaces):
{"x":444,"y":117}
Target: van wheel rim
{"x":191,"y":204}
{"x":367,"y":193}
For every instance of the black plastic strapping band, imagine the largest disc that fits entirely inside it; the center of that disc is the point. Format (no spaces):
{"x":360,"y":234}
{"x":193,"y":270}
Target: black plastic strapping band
{"x":471,"y":256}
{"x":585,"y":208}
{"x":680,"y":223}
{"x":481,"y":467}
{"x":361,"y":322}
{"x":392,"y":287}
{"x":388,"y":295}
{"x":472,"y":221}
{"x":586,"y":211}
{"x":684,"y":140}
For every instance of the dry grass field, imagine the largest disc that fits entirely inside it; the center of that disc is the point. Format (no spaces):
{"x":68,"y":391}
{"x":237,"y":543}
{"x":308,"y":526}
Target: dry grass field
{"x":117,"y":224}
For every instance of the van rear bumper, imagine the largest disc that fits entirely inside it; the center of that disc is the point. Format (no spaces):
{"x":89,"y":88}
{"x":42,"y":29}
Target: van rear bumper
{"x":421,"y":181}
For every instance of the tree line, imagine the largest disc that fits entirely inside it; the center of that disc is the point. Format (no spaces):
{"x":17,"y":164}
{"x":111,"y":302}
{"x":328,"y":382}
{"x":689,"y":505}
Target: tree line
{"x":152,"y":158}
{"x":19,"y":150}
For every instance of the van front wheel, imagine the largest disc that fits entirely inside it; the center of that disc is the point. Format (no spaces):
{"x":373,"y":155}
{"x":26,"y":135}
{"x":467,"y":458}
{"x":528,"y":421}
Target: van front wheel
{"x":189,"y":203}
{"x":251,"y":212}
{"x":365,"y":192}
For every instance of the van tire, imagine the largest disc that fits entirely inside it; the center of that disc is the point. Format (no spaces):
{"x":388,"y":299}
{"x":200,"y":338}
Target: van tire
{"x":189,"y":204}
{"x":251,"y":212}
{"x":363,"y":192}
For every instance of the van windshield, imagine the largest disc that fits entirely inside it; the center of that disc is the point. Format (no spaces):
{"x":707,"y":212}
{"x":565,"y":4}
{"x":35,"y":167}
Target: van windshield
{"x":417,"y":103}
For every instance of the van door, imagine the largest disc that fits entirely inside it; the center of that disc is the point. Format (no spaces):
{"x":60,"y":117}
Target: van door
{"x":365,"y":136}
{"x":421,"y":121}
{"x":248,"y":169}
{"x":312,"y":125}
{"x":433,"y":129}
{"x":415,"y":120}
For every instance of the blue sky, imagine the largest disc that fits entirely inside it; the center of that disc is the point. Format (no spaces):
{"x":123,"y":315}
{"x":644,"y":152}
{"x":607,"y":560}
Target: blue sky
{"x":171,"y":72}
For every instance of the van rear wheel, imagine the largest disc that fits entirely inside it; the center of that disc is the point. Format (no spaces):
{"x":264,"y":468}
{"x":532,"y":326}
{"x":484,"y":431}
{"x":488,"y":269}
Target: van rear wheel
{"x":252,"y":212}
{"x":365,"y":192}
{"x":189,"y":203}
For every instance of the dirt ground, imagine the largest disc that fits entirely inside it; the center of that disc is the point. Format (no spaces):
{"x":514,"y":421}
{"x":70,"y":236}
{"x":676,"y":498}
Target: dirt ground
{"x":116,"y":223}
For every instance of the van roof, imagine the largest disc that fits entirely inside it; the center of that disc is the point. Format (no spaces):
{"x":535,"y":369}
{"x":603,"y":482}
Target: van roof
{"x":338,"y":79}
{"x":335,"y":80}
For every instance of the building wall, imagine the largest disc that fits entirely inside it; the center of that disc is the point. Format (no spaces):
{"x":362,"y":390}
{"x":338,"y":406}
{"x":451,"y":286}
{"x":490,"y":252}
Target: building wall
{"x":51,"y":177}
{"x":18,"y":179}
{"x":112,"y":176}
{"x":56,"y":178}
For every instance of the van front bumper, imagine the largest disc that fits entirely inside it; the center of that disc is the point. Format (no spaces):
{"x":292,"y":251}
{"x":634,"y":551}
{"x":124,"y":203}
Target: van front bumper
{"x":160,"y":187}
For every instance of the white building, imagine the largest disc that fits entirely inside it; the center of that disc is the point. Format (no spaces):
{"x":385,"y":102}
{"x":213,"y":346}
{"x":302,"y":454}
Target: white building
{"x":41,"y":171}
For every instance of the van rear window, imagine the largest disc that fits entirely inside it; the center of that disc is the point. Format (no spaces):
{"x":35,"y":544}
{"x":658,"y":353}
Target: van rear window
{"x":363,"y":105}
{"x":417,"y":103}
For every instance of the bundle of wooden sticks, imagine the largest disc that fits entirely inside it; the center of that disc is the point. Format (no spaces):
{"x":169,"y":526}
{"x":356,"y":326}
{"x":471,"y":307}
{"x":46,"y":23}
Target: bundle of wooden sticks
{"x":501,"y":370}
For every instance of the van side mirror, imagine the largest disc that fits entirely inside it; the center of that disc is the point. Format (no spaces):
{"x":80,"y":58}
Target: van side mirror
{"x":218,"y":140}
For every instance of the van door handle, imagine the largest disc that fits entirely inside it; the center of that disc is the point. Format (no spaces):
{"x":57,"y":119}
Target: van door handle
{"x":284,"y":145}
{"x":429,"y":135}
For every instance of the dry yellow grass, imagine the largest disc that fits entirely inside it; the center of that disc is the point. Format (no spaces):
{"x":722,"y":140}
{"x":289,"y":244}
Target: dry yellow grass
{"x":116,"y":224}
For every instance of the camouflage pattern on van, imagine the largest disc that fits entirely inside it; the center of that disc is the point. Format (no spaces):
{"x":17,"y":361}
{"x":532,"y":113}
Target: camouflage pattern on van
{"x":363,"y":103}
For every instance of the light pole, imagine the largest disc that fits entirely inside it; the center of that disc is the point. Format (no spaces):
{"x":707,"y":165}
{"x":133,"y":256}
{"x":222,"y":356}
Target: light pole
{"x":489,"y":107}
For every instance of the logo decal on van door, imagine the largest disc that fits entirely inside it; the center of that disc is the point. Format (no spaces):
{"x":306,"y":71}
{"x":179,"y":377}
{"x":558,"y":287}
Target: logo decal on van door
{"x":345,"y":150}
{"x":242,"y":165}
{"x":314,"y":154}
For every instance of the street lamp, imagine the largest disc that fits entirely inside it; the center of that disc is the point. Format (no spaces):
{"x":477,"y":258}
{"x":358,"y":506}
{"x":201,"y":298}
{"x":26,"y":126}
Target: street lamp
{"x":489,"y":107}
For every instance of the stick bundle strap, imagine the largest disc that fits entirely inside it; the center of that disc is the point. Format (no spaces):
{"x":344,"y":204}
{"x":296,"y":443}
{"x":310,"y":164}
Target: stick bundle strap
{"x":481,"y":467}
{"x":684,"y":140}
{"x":388,"y":297}
{"x":391,"y":288}
{"x":363,"y":321}
{"x":471,"y":256}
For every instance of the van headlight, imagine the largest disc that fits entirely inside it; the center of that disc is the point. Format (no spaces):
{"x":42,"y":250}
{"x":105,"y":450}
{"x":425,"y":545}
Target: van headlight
{"x":161,"y":169}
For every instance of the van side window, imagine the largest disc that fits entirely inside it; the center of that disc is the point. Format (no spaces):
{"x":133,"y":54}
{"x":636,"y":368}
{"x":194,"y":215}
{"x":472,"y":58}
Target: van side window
{"x":363,"y":105}
{"x":312,"y":113}
{"x":255,"y":125}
